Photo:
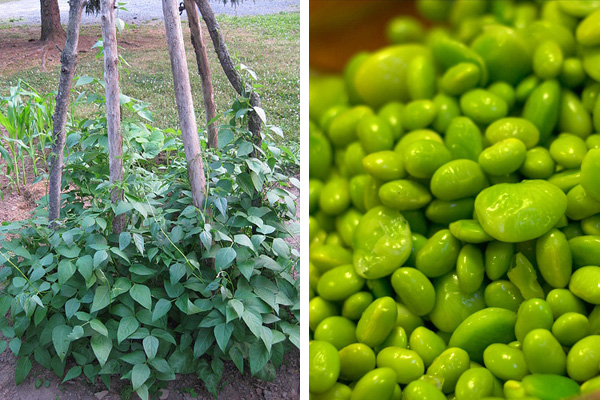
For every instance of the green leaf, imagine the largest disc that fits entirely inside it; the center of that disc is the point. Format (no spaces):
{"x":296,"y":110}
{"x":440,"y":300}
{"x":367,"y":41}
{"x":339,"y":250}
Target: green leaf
{"x":176,"y":272}
{"x":115,"y":250}
{"x":22,"y":370}
{"x":101,"y":298}
{"x":258,"y":356}
{"x":122,"y":208}
{"x":238,"y":306}
{"x":142,"y":391}
{"x":139,"y":242}
{"x":293,"y":331}
{"x":85,"y":266}
{"x":99,"y":327}
{"x":99,"y":257}
{"x":176,"y":234}
{"x":267,"y":337}
{"x":22,"y":252}
{"x":261,"y":113}
{"x":246,"y":268}
{"x":224,"y":137}
{"x":243,"y":240}
{"x":122,"y":285}
{"x":124,"y":240}
{"x":281,"y":248}
{"x":72,"y":373}
{"x":203,"y":342}
{"x":102,"y":346}
{"x":237,"y":357}
{"x":206,"y":239}
{"x":224,"y":258}
{"x":60,"y":341}
{"x":139,"y":375}
{"x":68,"y":252}
{"x":66,"y":269}
{"x":222,"y":334}
{"x":161,"y":309}
{"x":141,"y":294}
{"x":166,"y":336}
{"x":76,"y":333}
{"x":15,"y":345}
{"x":254,"y":322}
{"x":245,"y":149}
{"x":142,"y":270}
{"x":84,"y":80}
{"x":134,"y":357}
{"x":150,"y":346}
{"x":127,"y":326}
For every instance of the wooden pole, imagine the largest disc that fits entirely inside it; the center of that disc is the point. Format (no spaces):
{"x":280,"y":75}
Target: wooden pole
{"x":68,"y":60}
{"x":208,"y":15}
{"x":185,"y":104}
{"x":203,"y":70}
{"x":113,"y":105}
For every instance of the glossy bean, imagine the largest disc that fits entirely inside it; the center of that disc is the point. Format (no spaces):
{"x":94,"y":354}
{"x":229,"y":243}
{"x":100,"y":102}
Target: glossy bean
{"x":356,"y":360}
{"x":439,"y":254}
{"x":470,"y":268}
{"x":338,"y":331}
{"x":469,"y":231}
{"x":356,"y":304}
{"x":505,"y":362}
{"x":463,"y":139}
{"x":457,"y":179}
{"x":324,"y":366}
{"x":414,"y":289}
{"x":377,"y":321}
{"x":570,"y":327}
{"x":543,"y":353}
{"x":483,"y":106}
{"x":404,"y":195}
{"x":378,"y":383}
{"x":449,"y":366}
{"x":384,"y":165}
{"x":339,"y":283}
{"x":407,"y":364}
{"x":511,"y":127}
{"x":427,"y":344}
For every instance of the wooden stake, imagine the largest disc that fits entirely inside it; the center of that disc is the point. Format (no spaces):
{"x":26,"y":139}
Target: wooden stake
{"x":203,"y":69}
{"x":185,"y":104}
{"x":113,"y":105}
{"x":68,"y":60}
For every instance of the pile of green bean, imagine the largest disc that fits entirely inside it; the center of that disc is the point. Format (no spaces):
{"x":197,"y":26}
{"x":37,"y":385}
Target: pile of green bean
{"x":455,"y":208}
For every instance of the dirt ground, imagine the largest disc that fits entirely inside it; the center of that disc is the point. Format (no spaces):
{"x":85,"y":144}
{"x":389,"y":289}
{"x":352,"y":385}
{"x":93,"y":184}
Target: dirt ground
{"x":16,"y":53}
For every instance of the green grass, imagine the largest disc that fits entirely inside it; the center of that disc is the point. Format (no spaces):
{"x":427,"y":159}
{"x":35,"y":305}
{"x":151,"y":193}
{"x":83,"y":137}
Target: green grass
{"x":269,"y":45}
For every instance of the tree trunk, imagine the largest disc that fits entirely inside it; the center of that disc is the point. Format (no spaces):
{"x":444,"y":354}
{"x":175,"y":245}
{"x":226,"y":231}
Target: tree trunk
{"x":68,"y":60}
{"x":113,"y":110}
{"x":51,"y":28}
{"x":203,"y":70}
{"x":234,"y":78}
{"x":185,"y":104}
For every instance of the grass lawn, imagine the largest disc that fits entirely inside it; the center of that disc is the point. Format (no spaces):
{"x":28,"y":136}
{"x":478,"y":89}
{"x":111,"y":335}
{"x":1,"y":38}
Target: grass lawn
{"x":268,"y":44}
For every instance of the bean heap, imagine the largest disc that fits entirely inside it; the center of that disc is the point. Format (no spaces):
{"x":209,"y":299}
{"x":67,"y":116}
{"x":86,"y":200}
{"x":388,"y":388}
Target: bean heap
{"x":455,"y":208}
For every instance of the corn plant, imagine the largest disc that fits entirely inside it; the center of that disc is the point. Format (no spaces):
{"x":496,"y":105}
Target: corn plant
{"x":27,"y":118}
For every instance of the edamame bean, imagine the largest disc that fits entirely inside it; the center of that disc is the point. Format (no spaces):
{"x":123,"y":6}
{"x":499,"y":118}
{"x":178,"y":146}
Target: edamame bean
{"x":520,"y":211}
{"x":549,"y":386}
{"x":543,"y":353}
{"x":503,"y":157}
{"x":590,"y":170}
{"x":414,"y":289}
{"x":482,"y":328}
{"x":391,"y":113}
{"x":547,"y":59}
{"x":585,"y":284}
{"x":460,"y":79}
{"x":421,"y":390}
{"x":463,"y":139}
{"x":517,"y":128}
{"x":538,"y":164}
{"x":470,"y":268}
{"x":356,"y":304}
{"x":498,"y":256}
{"x":404,"y":29}
{"x":384,"y":165}
{"x":423,"y":157}
{"x":469,"y":231}
{"x":339,"y":283}
{"x":505,"y":362}
{"x":342,"y":130}
{"x":583,"y":358}
{"x":568,"y":150}
{"x":474,"y":383}
{"x":587,"y":31}
{"x":503,"y":294}
{"x":324,"y":366}
{"x":439,"y":254}
{"x":447,"y":110}
{"x":482,"y":106}
{"x":421,"y":79}
{"x":445,"y":212}
{"x":377,"y":322}
{"x":449,"y":366}
{"x":382,"y":243}
{"x":338,"y":331}
{"x":404,"y":195}
{"x":356,"y":360}
{"x":457,"y":179}
{"x":554,"y":259}
{"x":374,"y":134}
{"x":574,"y":118}
{"x":452,"y":305}
{"x":570,"y":327}
{"x":407,"y":364}
{"x":542,"y":108}
{"x":378,"y":383}
{"x":335,"y":196}
{"x":427,"y":344}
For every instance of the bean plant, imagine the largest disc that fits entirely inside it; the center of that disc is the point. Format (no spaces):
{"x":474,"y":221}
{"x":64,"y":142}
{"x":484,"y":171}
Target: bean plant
{"x":181,"y":289}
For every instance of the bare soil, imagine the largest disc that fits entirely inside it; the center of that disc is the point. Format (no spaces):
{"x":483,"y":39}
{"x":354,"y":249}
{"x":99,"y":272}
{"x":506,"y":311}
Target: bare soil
{"x":17,"y":53}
